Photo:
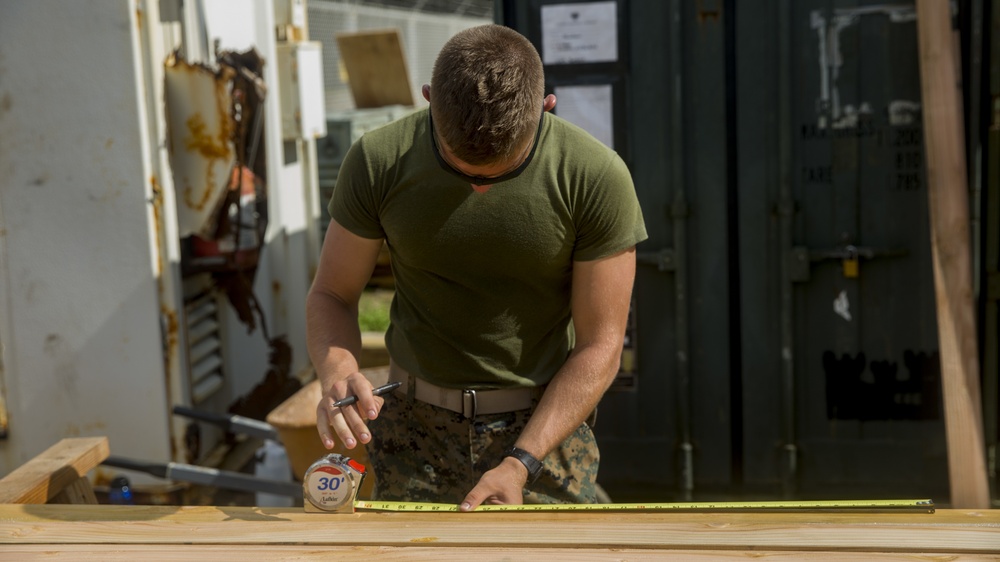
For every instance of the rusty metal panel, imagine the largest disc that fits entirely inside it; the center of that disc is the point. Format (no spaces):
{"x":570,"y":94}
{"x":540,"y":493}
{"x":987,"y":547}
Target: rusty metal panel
{"x":198,"y":102}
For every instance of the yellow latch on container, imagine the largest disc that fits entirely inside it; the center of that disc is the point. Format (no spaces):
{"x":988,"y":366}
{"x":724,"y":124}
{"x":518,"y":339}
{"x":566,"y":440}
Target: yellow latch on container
{"x":851,"y":268}
{"x":851,"y":263}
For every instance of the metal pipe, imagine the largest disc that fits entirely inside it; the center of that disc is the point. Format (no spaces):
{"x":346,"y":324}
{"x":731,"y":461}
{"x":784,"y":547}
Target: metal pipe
{"x":209,"y":476}
{"x":991,"y":359}
{"x":786,"y":216}
{"x":991,"y":290}
{"x":232,"y":423}
{"x":195,"y":47}
{"x":678,"y":214}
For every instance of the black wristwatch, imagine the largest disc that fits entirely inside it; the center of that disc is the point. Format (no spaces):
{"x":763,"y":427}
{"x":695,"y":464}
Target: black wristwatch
{"x":529,"y":461}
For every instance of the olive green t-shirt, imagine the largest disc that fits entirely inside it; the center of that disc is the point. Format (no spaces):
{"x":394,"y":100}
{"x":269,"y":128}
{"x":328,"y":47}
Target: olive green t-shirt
{"x":483,"y":279}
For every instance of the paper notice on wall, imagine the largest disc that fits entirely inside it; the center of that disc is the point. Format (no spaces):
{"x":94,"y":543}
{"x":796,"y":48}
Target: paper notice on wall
{"x":584,"y":32}
{"x":588,"y":107}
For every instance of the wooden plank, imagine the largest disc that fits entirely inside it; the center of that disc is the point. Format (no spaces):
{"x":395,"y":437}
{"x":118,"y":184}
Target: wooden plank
{"x":949,"y":215}
{"x":185,"y":553}
{"x":944,"y":532}
{"x":376,"y":68}
{"x":79,"y":492}
{"x":45,"y":476}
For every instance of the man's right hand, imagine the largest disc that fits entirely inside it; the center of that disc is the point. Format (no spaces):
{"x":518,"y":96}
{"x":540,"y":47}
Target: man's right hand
{"x":347,"y":422}
{"x":500,"y":485}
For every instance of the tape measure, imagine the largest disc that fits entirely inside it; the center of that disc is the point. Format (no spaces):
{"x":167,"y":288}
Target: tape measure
{"x":331,"y":484}
{"x":922,"y":505}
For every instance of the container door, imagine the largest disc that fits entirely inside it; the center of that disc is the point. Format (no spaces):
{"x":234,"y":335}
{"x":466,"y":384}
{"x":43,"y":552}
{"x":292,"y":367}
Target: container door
{"x":648,"y":79}
{"x":783,"y":340}
{"x":841,"y":392}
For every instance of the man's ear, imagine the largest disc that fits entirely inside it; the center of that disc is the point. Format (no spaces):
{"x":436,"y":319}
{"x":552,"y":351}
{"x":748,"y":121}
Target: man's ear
{"x":426,"y":91}
{"x":548,"y":104}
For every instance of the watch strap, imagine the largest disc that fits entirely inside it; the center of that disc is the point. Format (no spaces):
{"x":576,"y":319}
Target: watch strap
{"x":529,"y":461}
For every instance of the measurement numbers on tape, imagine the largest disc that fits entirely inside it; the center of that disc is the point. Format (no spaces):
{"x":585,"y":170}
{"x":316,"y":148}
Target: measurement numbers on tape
{"x":823,"y":505}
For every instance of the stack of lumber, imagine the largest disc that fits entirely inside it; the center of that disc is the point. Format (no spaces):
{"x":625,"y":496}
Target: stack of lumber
{"x":81,"y":533}
{"x":31,"y":528}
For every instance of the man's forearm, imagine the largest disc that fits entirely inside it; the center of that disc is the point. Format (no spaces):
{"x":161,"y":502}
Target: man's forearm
{"x":570,"y":397}
{"x":333,"y":338}
{"x":600,"y":302}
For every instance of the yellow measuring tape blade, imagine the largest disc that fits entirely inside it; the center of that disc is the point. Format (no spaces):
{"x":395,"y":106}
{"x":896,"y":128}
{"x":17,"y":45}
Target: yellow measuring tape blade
{"x":822,"y":505}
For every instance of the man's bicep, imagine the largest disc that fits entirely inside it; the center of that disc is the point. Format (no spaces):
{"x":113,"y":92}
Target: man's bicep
{"x":601,"y":292}
{"x":346,"y":263}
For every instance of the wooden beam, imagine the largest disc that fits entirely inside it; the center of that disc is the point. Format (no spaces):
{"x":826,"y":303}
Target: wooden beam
{"x":945,"y":532}
{"x":44,"y":477}
{"x":949,"y":216}
{"x":79,"y":492}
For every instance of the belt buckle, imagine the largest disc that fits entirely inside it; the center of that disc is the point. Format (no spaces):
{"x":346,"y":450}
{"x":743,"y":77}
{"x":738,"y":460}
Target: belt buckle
{"x":469,"y":403}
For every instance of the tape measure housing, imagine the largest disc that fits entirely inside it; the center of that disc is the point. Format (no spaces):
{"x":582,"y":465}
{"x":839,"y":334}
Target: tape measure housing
{"x":331,"y":484}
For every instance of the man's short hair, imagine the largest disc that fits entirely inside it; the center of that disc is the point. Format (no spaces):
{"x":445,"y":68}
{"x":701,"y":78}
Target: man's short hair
{"x":486,"y":93}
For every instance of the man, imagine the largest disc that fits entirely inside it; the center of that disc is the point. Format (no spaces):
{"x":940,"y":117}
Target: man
{"x":512,"y":236}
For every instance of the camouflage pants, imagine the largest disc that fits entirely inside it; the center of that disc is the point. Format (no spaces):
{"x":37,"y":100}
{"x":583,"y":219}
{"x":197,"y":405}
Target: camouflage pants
{"x":420,"y":452}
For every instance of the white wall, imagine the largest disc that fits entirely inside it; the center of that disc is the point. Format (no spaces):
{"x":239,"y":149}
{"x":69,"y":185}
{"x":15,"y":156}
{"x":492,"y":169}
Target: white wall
{"x":91,"y":313}
{"x":79,"y":304}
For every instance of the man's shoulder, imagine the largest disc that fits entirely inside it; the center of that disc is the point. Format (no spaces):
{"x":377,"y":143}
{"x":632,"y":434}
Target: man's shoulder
{"x":386,"y":143}
{"x":402,"y":127}
{"x":579,"y":149}
{"x":569,"y":134}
